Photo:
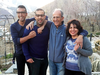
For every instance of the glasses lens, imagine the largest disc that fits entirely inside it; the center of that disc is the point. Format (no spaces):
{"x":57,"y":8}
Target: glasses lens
{"x":20,"y":12}
{"x":41,"y":15}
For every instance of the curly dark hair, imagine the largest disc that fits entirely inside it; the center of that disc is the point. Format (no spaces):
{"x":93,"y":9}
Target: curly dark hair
{"x":78,"y":26}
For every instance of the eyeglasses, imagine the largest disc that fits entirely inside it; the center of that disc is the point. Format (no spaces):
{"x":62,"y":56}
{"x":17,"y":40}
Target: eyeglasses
{"x":21,"y":12}
{"x":41,"y":15}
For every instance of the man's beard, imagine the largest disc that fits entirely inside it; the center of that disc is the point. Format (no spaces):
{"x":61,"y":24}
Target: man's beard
{"x":40,"y":24}
{"x":22,"y":20}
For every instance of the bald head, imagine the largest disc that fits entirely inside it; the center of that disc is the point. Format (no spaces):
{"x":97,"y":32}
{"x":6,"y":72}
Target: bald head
{"x":57,"y":17}
{"x":58,"y":10}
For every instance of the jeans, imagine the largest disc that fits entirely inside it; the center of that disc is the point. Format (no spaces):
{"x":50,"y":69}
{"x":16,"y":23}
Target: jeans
{"x":21,"y":64}
{"x":56,"y":68}
{"x":39,"y":67}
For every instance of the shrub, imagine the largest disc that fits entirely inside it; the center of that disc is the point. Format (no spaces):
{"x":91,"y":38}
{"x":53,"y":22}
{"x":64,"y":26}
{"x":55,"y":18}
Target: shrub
{"x":9,"y":56}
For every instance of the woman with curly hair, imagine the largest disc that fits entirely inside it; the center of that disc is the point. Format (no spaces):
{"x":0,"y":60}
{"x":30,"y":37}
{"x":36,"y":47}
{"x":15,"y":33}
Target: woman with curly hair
{"x":76,"y":59}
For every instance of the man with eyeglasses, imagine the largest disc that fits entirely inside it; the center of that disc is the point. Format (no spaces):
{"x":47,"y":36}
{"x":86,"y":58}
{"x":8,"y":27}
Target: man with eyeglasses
{"x":35,"y":49}
{"x":17,"y":30}
{"x":57,"y":39}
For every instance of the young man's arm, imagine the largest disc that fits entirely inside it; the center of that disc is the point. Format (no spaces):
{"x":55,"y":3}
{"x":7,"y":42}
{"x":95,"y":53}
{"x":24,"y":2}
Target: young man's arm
{"x":39,"y":30}
{"x":19,"y":40}
{"x":29,"y":36}
{"x":87,"y":50}
{"x":31,"y":25}
{"x":32,"y":34}
{"x":25,"y":48}
{"x":84,"y":33}
{"x":79,"y":40}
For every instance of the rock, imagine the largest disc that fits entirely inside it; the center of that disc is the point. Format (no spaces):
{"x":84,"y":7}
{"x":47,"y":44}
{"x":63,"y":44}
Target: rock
{"x":96,"y":65}
{"x":97,"y":45}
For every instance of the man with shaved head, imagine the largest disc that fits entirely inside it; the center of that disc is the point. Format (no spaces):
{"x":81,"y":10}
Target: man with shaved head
{"x":56,"y":43}
{"x":57,"y":38}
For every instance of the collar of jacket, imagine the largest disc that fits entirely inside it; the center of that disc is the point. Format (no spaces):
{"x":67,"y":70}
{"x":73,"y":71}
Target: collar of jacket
{"x":60,"y":28}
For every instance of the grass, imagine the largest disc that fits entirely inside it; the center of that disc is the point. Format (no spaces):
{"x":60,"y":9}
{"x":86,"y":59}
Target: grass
{"x":98,"y":33}
{"x":4,"y":69}
{"x":8,"y":56}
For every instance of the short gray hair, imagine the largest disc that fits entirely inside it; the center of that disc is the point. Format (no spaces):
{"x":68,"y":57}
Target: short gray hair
{"x":60,"y":11}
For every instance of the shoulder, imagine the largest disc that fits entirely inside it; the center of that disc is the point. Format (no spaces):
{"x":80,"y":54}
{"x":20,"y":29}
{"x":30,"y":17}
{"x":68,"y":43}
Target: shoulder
{"x":52,"y":24}
{"x":49,"y":22}
{"x":13,"y":25}
{"x":64,"y":26}
{"x":30,"y":19}
{"x":85,"y":38}
{"x":86,"y":41}
{"x":26,"y":32}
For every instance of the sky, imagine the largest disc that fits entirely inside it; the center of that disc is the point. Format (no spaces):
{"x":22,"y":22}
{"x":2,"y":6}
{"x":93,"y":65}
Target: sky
{"x":37,"y":3}
{"x":97,"y":0}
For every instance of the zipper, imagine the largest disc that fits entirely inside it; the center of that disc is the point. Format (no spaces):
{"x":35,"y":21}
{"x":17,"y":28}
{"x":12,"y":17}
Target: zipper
{"x":55,"y":45}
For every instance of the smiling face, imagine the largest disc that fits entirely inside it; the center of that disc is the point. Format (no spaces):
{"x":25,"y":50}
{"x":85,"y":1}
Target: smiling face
{"x":57,"y":18}
{"x":73,"y":30}
{"x":21,"y":13}
{"x":40,"y":17}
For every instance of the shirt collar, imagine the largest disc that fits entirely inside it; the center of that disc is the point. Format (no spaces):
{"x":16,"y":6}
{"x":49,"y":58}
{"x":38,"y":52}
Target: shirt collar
{"x":35,"y":23}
